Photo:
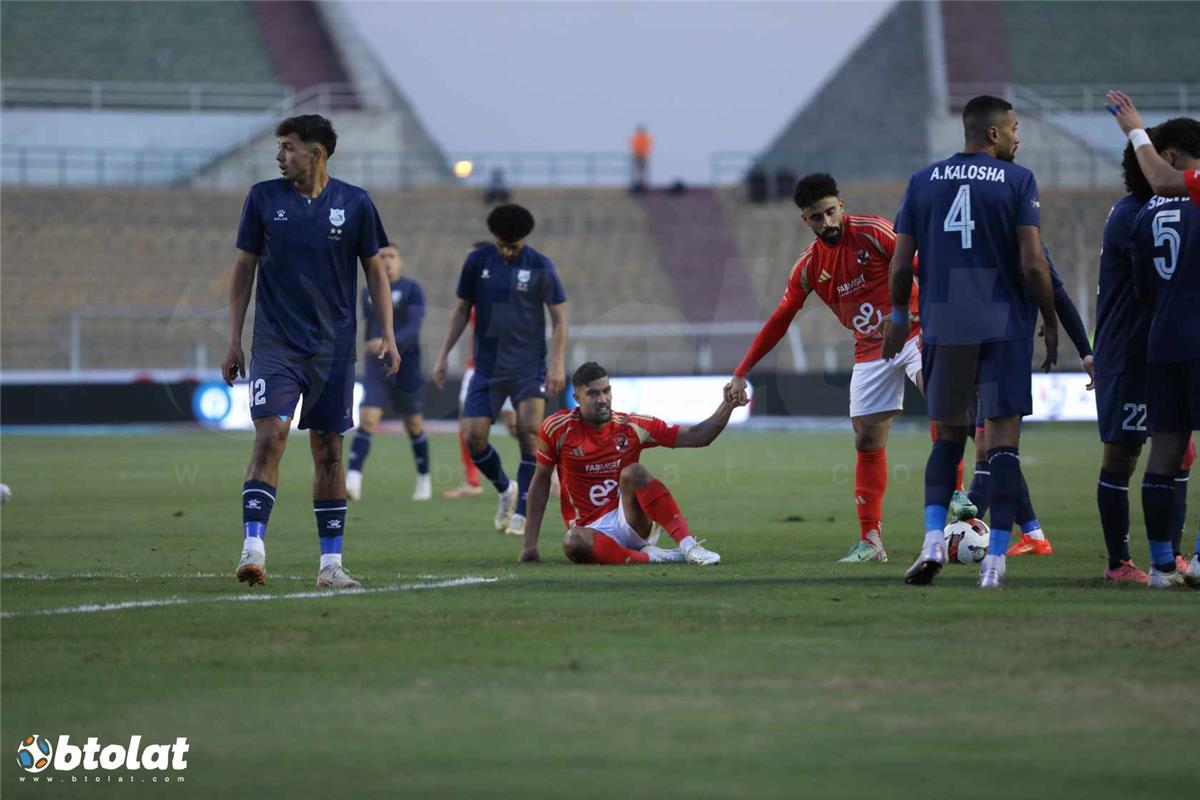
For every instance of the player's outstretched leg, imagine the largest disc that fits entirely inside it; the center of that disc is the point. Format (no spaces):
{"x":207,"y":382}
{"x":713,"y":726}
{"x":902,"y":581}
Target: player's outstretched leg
{"x":643,"y":494}
{"x":488,"y":461}
{"x":329,"y":505}
{"x":258,"y":497}
{"x":586,"y":546}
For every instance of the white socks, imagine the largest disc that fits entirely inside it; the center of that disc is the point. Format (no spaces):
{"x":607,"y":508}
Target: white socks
{"x":255,"y":545}
{"x":687,"y":543}
{"x":934,"y":537}
{"x":331,"y":560}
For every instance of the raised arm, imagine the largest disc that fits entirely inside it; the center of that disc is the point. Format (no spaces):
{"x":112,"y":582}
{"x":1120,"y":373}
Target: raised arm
{"x":381,"y":297}
{"x":1036,"y":273}
{"x":244,"y":266}
{"x":460,"y":317}
{"x":556,"y":378}
{"x":1164,"y":179}
{"x":900,"y":283}
{"x":705,"y":433}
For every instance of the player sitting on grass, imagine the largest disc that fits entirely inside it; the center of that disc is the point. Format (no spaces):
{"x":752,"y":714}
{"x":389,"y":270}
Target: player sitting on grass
{"x":610,"y":502}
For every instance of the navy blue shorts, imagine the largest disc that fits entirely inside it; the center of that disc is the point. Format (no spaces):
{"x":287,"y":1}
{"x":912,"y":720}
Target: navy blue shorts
{"x":1121,"y":407}
{"x":1173,"y":396}
{"x":986,"y":381}
{"x":485,"y":395}
{"x":403,"y":393}
{"x":326,"y":384}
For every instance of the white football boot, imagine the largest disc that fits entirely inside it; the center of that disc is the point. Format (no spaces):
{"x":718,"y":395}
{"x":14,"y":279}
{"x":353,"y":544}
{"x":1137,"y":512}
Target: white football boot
{"x":516,"y":525}
{"x":1165,"y":580}
{"x":252,"y":569}
{"x":354,"y":484}
{"x":423,"y":490}
{"x":928,"y":564}
{"x":335,"y":577}
{"x":507,"y":504}
{"x":702,"y":556}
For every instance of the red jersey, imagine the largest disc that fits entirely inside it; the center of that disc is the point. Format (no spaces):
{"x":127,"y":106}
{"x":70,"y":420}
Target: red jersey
{"x":589,"y":461}
{"x":1191,"y":179}
{"x":851,"y":277}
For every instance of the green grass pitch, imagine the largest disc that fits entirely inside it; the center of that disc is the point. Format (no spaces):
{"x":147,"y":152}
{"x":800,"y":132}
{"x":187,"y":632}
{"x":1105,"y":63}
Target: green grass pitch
{"x":776,"y":674}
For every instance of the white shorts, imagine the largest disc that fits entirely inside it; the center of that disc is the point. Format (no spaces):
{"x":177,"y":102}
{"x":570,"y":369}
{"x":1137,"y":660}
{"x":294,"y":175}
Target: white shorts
{"x":462,"y":392}
{"x":615,"y":526}
{"x":878,"y":386}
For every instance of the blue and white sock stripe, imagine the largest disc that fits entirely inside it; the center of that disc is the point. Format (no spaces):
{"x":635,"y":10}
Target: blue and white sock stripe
{"x":260,"y":491}
{"x":1107,"y":485}
{"x":320,"y":509}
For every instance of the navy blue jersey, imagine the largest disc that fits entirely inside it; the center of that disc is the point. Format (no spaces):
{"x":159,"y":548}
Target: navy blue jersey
{"x":963,"y":213}
{"x":510,"y":323}
{"x":308,"y":252}
{"x":408,"y":312}
{"x":1122,"y":321}
{"x":1166,"y":236}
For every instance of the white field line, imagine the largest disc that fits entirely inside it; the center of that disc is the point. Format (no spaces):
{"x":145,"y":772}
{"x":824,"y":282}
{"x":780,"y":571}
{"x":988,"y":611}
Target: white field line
{"x":115,"y":576}
{"x":99,"y":608}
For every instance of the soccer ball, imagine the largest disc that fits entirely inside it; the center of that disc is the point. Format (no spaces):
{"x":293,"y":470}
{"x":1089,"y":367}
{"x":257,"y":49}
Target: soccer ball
{"x":33,"y":754}
{"x":967,"y":541}
{"x":5,"y":493}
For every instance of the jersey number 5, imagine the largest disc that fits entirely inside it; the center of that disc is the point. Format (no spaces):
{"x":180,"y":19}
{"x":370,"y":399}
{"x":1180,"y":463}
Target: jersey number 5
{"x":1168,"y":236}
{"x":958,"y":218}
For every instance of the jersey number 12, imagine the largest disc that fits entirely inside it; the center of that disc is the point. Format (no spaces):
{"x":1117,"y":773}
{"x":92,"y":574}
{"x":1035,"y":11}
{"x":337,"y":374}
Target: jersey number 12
{"x":958,"y":218}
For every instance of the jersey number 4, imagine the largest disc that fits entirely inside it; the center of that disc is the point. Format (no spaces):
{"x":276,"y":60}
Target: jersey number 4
{"x":1165,"y":267}
{"x":958,"y":218}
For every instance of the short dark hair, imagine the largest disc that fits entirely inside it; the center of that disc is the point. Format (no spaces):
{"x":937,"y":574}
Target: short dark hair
{"x":1180,"y":133}
{"x":310,"y":128}
{"x":510,"y":222}
{"x":813,"y":187}
{"x":587,"y":373}
{"x":982,"y":112}
{"x":1131,"y":173}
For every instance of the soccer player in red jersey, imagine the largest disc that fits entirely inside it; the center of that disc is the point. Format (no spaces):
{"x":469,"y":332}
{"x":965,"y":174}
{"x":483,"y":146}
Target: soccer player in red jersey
{"x":1164,"y":178}
{"x":847,"y":267}
{"x":610,"y":502}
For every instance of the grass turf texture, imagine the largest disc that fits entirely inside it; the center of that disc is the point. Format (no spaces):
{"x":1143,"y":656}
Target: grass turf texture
{"x":776,"y":674}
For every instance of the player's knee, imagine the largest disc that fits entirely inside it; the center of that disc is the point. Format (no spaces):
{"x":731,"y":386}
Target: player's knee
{"x":414,"y":425}
{"x":269,"y":443}
{"x":576,"y":547}
{"x":477,"y":441}
{"x":634,"y":477}
{"x":527,"y":436}
{"x":1120,"y":459}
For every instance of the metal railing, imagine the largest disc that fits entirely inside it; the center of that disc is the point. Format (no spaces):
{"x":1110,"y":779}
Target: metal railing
{"x":117,"y":166}
{"x":121,"y":95}
{"x":1057,"y":98}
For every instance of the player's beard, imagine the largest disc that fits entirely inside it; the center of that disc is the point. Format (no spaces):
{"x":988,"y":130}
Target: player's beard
{"x":602,"y":415}
{"x":831,"y":235}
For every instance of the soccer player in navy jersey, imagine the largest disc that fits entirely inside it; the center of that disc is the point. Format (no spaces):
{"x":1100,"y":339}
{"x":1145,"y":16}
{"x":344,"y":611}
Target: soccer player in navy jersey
{"x":404,"y":391}
{"x":510,"y":286}
{"x":302,"y":233}
{"x":975,"y":220}
{"x":1166,"y":242}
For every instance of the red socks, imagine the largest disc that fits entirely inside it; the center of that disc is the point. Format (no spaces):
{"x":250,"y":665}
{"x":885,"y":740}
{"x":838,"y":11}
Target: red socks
{"x":870,"y":482}
{"x":656,"y":500}
{"x":469,"y":469}
{"x":607,"y":551}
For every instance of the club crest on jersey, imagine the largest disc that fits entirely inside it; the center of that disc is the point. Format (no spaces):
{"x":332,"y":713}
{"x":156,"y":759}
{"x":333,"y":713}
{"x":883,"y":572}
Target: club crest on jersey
{"x":395,"y":296}
{"x":523,"y":276}
{"x":863,"y":257}
{"x":337,"y":217}
{"x":622,"y":442}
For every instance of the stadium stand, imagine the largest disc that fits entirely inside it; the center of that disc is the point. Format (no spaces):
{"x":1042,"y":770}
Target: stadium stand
{"x":146,"y":271}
